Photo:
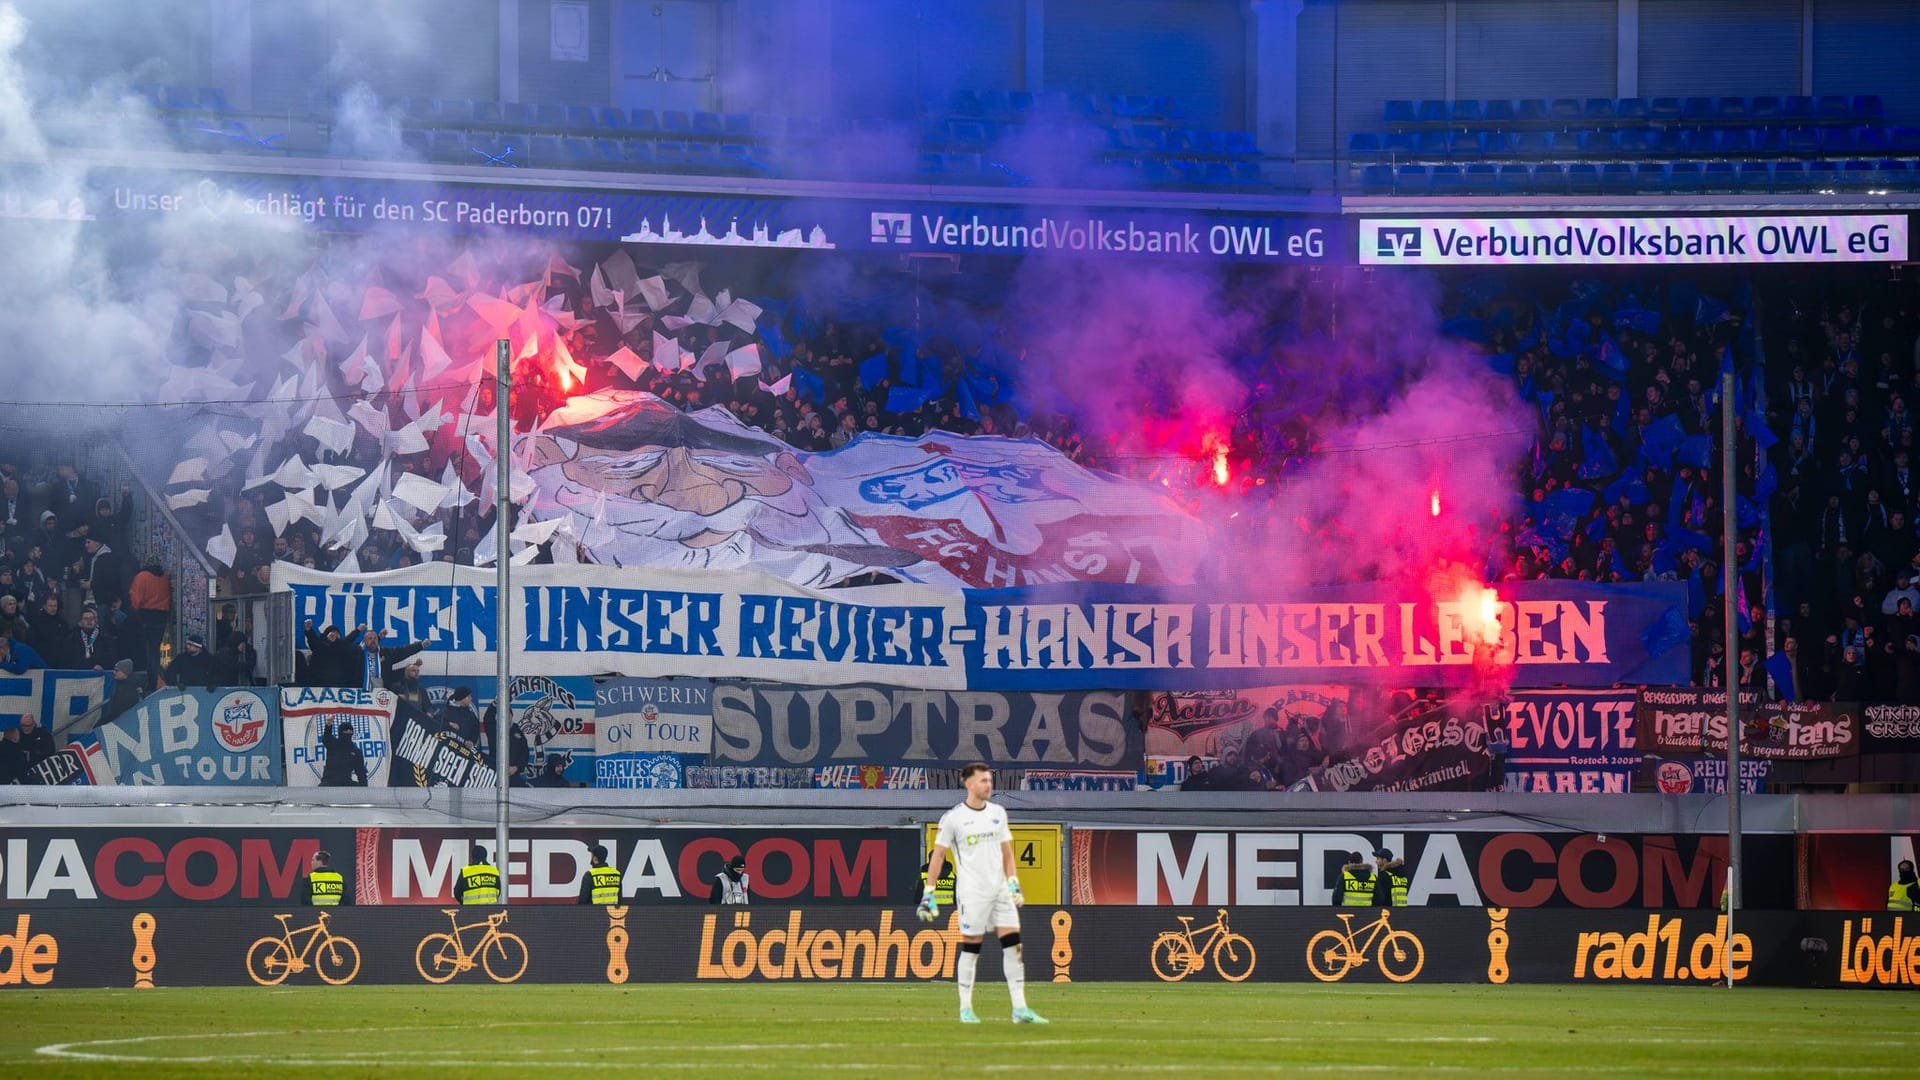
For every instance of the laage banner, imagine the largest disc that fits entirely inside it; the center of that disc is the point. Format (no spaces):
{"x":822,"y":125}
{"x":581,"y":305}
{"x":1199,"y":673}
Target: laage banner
{"x":593,"y":620}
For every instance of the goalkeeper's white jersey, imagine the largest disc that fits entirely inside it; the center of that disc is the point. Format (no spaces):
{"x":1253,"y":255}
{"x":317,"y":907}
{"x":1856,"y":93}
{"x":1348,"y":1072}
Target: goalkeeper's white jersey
{"x":972,"y":839}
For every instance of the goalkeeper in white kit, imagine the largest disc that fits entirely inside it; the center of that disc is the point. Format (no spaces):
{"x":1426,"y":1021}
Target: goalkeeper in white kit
{"x":986,"y":891}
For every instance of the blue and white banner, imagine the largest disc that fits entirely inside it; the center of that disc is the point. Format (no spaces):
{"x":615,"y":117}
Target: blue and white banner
{"x":308,"y":713}
{"x":227,"y":737}
{"x":598,"y":620}
{"x":642,"y":726}
{"x":52,"y":697}
{"x":874,"y":725}
{"x":554,"y":713}
{"x":1572,"y":741}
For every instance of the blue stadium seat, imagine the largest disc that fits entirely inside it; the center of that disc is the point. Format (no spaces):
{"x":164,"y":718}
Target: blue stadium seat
{"x":1896,"y":174}
{"x":414,"y":141}
{"x":1446,"y":180}
{"x":636,"y":153}
{"x":1549,"y":177}
{"x":1500,"y":111}
{"x":543,"y":150}
{"x":1593,"y":144}
{"x":1434,"y":145}
{"x":1632,"y":110}
{"x":608,"y":118}
{"x":1731,"y":142}
{"x":1377,"y":179}
{"x":1755,"y":176}
{"x":1598,"y":111}
{"x":1683,"y":177}
{"x":1664,"y":108}
{"x":1019,"y":103}
{"x":1247,"y":172}
{"x":577,"y":151}
{"x":1189,"y":141}
{"x":1239,"y":143}
{"x":488,"y":114}
{"x":676,"y":122}
{"x":1904,"y":141}
{"x":422,"y":109}
{"x":1432,"y":112}
{"x":1410,"y":179}
{"x":1639,"y":142}
{"x":1617,"y":178}
{"x":210,"y":99}
{"x":643,"y":120}
{"x":606,"y":152}
{"x":1789,"y":176}
{"x":1763,"y":107}
{"x":968,"y":165}
{"x":1467,"y":111}
{"x":671,"y":153}
{"x":453,"y":112}
{"x":1868,"y":107}
{"x":1803,"y":141}
{"x":1833,"y":107}
{"x":550,"y":117}
{"x":1565,"y":110}
{"x":1514,"y":178}
{"x":1697,"y":110}
{"x":1719,"y":176}
{"x":1870,"y":140}
{"x":1859,"y":175}
{"x":1838,"y":142}
{"x":1400,"y":112}
{"x":711,"y":124}
{"x":738,"y":125}
{"x":448,"y":146}
{"x":1583,"y":178}
{"x":580,"y":119}
{"x":1769,"y":141}
{"x":1532,"y":112}
{"x":1731,"y":108}
{"x":1822,"y":175}
{"x":964,"y":103}
{"x":1495,"y":144}
{"x":932,"y":163}
{"x":1480,"y":178}
{"x":1147,"y":137}
{"x":1676,"y":142}
{"x":969,"y":134}
{"x":994,"y":105}
{"x":1397,"y":145}
{"x":1796,"y":107}
{"x":1533,"y":145}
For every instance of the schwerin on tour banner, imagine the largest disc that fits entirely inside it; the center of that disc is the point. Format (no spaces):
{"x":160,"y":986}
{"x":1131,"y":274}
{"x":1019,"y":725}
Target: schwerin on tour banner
{"x":591,"y":620}
{"x":1180,"y":947}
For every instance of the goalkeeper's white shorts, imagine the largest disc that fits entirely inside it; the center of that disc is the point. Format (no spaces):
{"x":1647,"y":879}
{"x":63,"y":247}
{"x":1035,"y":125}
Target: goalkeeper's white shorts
{"x":979,"y":914}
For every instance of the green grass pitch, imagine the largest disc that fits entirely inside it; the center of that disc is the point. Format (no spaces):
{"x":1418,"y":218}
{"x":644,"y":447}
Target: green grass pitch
{"x":899,"y":1031}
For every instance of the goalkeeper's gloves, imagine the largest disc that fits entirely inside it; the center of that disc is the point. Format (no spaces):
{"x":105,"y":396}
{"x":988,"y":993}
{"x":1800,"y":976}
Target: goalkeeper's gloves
{"x":929,"y":908}
{"x":1013,"y":891}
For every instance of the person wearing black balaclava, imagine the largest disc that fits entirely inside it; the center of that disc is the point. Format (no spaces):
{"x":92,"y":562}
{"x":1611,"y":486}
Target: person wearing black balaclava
{"x":1904,"y":893}
{"x":730,"y":885}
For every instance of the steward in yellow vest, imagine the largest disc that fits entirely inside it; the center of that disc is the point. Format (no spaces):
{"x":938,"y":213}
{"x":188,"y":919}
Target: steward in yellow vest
{"x":601,"y":883}
{"x":942,"y":889}
{"x":1390,"y":880}
{"x":1904,"y":893}
{"x":1356,"y":882}
{"x":479,"y":881}
{"x":325,"y":886}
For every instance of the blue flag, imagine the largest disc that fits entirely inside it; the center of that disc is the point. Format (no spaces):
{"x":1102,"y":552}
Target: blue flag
{"x":810,"y":386}
{"x":1696,"y":450}
{"x":1597,"y":459}
{"x":1639,"y":320}
{"x":1662,"y":437}
{"x":1780,"y":666}
{"x":872,"y":370}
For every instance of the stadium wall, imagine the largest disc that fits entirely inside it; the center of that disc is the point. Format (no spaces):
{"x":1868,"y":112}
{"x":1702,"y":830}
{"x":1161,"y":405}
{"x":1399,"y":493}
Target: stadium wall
{"x":618,"y":945}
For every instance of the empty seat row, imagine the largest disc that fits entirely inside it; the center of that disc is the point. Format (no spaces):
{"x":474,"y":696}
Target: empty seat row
{"x":1543,"y":112}
{"x":1473,"y":145}
{"x":579,"y":119}
{"x":1016,"y":105}
{"x":1679,"y":177}
{"x":167,"y":98}
{"x":550,"y":151}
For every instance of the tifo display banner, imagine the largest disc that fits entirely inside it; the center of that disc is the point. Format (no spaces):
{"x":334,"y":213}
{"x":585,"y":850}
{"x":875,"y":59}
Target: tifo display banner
{"x":554,"y":714}
{"x":1633,"y":241}
{"x":311,"y":714}
{"x":595,"y":620}
{"x":1445,"y":869}
{"x":1853,"y":871}
{"x":1213,"y":947}
{"x":426,"y":754}
{"x":642,"y":726}
{"x":1683,"y":720}
{"x":51,"y":696}
{"x":756,"y":724}
{"x":220,"y":737}
{"x":1572,"y":741}
{"x":245,"y":867}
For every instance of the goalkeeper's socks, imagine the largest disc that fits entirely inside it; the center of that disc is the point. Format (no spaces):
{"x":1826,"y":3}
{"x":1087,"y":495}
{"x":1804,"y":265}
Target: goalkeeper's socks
{"x":963,"y":971}
{"x":1013,"y":963}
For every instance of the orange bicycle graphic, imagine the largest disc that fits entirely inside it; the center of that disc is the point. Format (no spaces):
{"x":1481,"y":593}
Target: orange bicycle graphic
{"x":442,"y":956}
{"x":270,"y":960}
{"x":1333,"y":953}
{"x":1175,"y":955}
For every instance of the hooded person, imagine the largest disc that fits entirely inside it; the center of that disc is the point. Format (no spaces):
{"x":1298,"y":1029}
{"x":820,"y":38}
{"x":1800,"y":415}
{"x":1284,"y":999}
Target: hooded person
{"x":730,"y":884}
{"x":192,"y":666}
{"x":1904,"y":893}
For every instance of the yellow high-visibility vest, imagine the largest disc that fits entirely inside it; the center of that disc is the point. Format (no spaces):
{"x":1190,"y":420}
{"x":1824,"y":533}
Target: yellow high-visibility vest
{"x":326,"y":888}
{"x":606,"y":884}
{"x":481,"y":884}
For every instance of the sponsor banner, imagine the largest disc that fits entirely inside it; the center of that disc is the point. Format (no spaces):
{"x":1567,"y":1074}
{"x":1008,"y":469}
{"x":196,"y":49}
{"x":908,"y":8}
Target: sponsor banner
{"x":425,"y":754}
{"x":639,"y":716}
{"x":1852,"y":871}
{"x":1699,"y":774}
{"x":1890,"y":729}
{"x":307,"y":713}
{"x":1633,"y":241}
{"x":245,"y":867}
{"x":1682,"y":720}
{"x":1572,"y":741}
{"x":1051,"y":780}
{"x":1185,"y":867}
{"x":347,"y":946}
{"x":218,"y":737}
{"x":694,"y":220}
{"x":53,"y":697}
{"x":589,"y":620}
{"x":755,"y":724}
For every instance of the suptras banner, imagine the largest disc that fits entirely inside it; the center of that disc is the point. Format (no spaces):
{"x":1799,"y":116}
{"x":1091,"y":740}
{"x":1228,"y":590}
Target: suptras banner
{"x":585,"y":620}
